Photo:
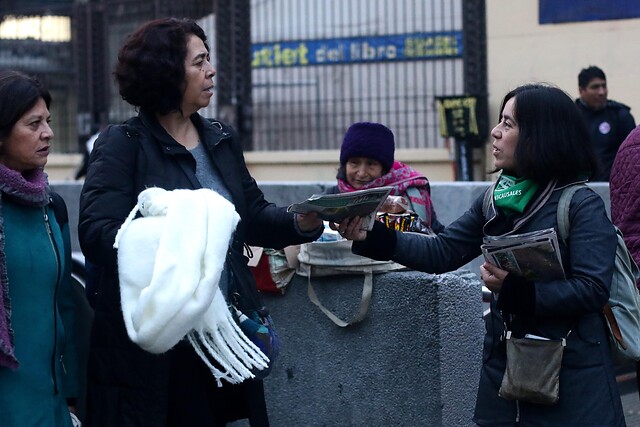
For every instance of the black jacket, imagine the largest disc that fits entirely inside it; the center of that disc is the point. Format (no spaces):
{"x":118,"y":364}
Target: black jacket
{"x":608,"y":128}
{"x":126,"y":385}
{"x":588,"y":390}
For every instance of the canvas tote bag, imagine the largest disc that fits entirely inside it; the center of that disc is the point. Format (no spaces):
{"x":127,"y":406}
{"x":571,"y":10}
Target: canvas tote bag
{"x":331,"y":258}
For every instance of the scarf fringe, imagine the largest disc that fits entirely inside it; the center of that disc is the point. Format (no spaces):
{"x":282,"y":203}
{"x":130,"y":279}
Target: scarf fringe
{"x":227,"y":345}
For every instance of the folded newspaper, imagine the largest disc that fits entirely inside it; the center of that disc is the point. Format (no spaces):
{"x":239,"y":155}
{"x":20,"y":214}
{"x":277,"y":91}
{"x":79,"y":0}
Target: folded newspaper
{"x":337,"y":207}
{"x":534,"y":255}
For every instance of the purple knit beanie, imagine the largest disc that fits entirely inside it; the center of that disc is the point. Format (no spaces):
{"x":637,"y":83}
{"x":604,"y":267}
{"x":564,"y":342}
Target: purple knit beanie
{"x":367,"y":139}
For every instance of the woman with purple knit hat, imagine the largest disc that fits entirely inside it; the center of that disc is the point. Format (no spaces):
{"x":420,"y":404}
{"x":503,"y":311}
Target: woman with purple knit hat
{"x":367,"y":161}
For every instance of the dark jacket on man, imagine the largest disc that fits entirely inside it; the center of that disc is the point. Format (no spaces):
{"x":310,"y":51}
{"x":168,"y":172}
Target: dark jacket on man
{"x":608,"y":128}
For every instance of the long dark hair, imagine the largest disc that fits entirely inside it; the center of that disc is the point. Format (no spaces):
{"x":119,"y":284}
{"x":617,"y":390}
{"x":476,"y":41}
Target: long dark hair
{"x":553,"y":141}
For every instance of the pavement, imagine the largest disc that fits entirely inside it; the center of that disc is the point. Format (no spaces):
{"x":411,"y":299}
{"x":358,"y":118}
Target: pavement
{"x":628,"y":386}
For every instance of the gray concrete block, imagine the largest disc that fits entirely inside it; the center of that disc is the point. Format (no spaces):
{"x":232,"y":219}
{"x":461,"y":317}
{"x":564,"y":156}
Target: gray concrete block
{"x":414,"y":360}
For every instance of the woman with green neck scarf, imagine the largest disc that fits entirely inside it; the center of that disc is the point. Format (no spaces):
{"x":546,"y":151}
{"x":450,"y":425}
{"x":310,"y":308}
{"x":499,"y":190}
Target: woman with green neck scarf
{"x":540,"y":146}
{"x":38,"y":361}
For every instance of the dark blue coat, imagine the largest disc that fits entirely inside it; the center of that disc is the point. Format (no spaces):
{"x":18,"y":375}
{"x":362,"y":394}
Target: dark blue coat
{"x":588,"y":392}
{"x":608,"y":127}
{"x":126,"y":385}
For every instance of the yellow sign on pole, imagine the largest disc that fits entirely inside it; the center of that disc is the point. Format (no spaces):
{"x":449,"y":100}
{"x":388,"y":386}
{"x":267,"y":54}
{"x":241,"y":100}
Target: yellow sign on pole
{"x":458,"y":116}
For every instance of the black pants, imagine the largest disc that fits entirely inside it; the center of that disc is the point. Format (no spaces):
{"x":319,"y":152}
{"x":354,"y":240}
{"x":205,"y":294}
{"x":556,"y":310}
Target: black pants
{"x":196,"y":400}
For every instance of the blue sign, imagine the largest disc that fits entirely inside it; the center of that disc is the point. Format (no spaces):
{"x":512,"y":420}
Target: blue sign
{"x":556,"y":11}
{"x":401,"y":47}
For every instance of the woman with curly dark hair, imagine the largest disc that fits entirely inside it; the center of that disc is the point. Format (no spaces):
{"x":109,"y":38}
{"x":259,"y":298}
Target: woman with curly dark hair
{"x":541,"y":146}
{"x":164,"y":71}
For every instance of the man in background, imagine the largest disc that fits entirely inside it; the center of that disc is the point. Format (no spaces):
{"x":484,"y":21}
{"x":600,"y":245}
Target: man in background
{"x":609,"y":122}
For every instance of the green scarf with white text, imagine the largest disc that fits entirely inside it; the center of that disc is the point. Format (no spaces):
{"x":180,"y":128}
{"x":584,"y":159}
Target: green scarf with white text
{"x":512,"y":195}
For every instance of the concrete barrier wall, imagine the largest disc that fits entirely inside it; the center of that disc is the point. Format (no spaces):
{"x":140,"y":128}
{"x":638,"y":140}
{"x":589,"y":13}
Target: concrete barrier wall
{"x":414,"y":360}
{"x":451,"y":199}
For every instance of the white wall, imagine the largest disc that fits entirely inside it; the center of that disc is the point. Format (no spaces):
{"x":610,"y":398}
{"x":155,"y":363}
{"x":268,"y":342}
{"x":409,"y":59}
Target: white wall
{"x":521,"y":50}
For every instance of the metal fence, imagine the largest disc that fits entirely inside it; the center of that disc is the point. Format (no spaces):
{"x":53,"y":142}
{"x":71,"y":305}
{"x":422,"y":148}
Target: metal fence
{"x":316,"y":65}
{"x":355,"y":69}
{"x":104,"y":26}
{"x":78,"y":71}
{"x":52,"y":63}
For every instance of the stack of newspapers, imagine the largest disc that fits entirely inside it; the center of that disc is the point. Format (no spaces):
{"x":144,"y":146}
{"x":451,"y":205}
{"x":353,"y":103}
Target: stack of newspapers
{"x":534,"y":255}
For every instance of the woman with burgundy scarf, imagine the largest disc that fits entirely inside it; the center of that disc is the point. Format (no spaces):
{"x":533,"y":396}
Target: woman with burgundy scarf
{"x":540,"y":146}
{"x":37,"y":352}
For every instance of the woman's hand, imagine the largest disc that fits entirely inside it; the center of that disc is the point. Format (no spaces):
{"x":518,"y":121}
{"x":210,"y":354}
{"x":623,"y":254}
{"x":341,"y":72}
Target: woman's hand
{"x":492,"y":276}
{"x":350,"y":228}
{"x":309,"y":221}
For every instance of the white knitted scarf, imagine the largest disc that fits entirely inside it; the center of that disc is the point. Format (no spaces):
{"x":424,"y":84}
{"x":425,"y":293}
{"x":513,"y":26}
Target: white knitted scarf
{"x":169,"y":263}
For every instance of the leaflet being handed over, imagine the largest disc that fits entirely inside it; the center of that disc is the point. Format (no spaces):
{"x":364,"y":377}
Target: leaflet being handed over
{"x":337,"y":207}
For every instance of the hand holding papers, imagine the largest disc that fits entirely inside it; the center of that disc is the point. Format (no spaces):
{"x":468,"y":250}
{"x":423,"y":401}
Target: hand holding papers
{"x":337,"y":207}
{"x":534,"y":255}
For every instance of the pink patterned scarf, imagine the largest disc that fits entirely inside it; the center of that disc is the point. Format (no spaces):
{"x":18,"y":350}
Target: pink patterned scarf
{"x":400,"y":177}
{"x":30,"y":189}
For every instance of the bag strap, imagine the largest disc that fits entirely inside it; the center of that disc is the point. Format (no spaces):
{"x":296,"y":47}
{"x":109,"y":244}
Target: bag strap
{"x":563,"y":231}
{"x":365,"y":300}
{"x":613,"y":323}
{"x":421,"y":210}
{"x":242,"y":289}
{"x":563,"y":210}
{"x":486,"y":200}
{"x":59,"y":209}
